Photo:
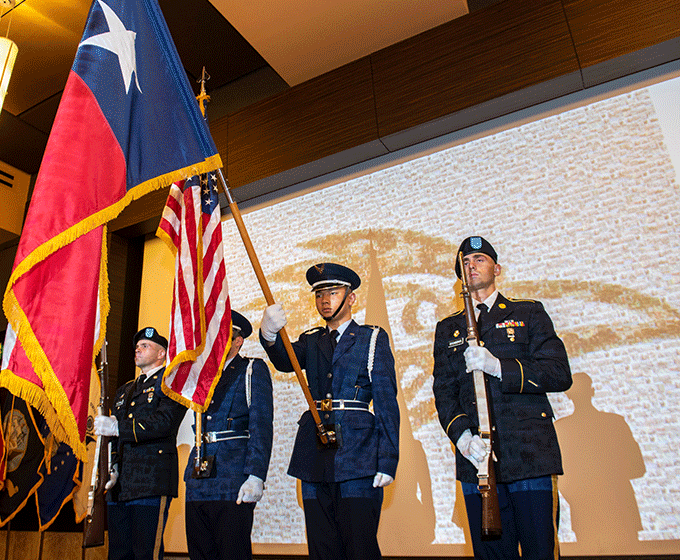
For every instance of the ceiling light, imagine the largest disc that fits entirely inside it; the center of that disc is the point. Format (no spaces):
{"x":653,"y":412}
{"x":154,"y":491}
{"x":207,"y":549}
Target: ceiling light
{"x":8,"y":54}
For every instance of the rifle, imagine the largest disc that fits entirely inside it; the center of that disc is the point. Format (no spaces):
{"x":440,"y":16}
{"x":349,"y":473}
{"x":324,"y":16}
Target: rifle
{"x":486,"y":473}
{"x":95,"y":522}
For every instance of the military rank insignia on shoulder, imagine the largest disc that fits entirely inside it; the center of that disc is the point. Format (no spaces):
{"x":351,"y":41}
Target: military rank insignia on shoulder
{"x":314,"y":329}
{"x":520,"y":300}
{"x":455,"y":314}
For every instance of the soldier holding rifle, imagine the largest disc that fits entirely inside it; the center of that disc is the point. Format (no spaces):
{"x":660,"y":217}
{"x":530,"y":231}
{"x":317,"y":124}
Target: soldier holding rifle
{"x":144,"y":469}
{"x":522,"y":359}
{"x":348,"y":366}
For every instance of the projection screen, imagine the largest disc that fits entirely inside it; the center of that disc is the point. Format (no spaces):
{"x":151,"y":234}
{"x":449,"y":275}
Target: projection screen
{"x":581,"y":203}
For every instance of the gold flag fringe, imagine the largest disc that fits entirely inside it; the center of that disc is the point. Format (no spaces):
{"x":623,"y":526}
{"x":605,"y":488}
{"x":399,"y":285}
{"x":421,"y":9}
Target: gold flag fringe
{"x":51,"y":400}
{"x":192,"y":355}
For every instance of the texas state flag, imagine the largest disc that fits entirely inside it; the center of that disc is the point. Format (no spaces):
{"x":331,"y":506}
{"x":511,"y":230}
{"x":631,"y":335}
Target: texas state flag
{"x":128,"y":123}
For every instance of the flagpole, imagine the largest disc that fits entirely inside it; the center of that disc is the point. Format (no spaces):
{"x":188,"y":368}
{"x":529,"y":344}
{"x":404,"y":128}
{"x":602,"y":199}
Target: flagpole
{"x":326,"y":437}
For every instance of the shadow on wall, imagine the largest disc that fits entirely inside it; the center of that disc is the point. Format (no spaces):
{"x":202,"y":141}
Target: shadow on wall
{"x":601,"y":446}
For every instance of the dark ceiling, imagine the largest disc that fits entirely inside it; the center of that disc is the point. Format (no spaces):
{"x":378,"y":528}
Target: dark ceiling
{"x":48,"y":33}
{"x":205,"y":38}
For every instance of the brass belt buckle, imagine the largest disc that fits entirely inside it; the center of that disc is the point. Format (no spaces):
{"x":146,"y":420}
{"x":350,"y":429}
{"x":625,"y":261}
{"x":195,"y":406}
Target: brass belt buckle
{"x":327,"y":405}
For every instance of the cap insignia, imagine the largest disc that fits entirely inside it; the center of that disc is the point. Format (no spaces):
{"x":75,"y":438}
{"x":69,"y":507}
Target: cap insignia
{"x":476,"y":243}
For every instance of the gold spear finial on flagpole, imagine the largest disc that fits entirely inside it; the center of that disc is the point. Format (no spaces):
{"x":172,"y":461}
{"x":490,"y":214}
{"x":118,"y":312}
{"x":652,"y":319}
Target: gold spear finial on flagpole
{"x":327,"y":437}
{"x":203,"y":97}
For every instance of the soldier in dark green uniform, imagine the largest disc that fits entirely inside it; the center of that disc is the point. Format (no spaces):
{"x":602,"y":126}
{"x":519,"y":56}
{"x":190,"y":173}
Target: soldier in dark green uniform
{"x":144,"y":470}
{"x":523,"y":359}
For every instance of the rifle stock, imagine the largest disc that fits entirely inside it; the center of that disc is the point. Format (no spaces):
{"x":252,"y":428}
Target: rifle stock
{"x":486,"y":473}
{"x":95,"y":522}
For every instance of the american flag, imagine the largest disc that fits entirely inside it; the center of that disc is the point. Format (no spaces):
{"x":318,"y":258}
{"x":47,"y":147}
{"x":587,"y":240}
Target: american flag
{"x":200,"y":324}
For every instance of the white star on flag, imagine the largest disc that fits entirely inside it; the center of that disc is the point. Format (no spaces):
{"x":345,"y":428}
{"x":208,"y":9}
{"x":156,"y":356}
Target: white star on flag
{"x":121,"y":42}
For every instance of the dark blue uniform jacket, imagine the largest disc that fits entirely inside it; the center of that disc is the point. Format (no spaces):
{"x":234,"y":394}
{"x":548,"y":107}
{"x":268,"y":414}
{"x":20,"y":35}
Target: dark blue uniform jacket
{"x":146,"y":448}
{"x":533,"y":362}
{"x":369,"y":442}
{"x":250,"y":450}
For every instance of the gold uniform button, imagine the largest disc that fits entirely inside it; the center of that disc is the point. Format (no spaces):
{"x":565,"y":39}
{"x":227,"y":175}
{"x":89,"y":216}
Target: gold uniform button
{"x":132,"y":403}
{"x":330,"y":375}
{"x":326,"y":416}
{"x":543,"y":414}
{"x":130,"y":415}
{"x":160,"y":451}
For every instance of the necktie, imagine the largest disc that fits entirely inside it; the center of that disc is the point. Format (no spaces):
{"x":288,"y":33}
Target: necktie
{"x":483,"y":309}
{"x":334,"y":338}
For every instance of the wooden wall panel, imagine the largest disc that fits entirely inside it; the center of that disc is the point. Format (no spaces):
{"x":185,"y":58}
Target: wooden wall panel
{"x":125,"y":278}
{"x":606,"y":29}
{"x":499,"y":59}
{"x":498,"y":50}
{"x":117,"y":267}
{"x":321,"y":117}
{"x":219,"y":129}
{"x":150,"y":206}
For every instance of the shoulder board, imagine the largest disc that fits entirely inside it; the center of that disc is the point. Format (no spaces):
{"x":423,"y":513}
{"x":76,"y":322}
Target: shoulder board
{"x":371,"y":326}
{"x":519,"y":300}
{"x":252,"y":358}
{"x":455,"y":314}
{"x":313,"y":330}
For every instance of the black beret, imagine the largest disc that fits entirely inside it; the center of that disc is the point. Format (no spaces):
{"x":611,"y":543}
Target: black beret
{"x":149,"y":333}
{"x":241,"y":324}
{"x":328,"y":275}
{"x":475,"y":244}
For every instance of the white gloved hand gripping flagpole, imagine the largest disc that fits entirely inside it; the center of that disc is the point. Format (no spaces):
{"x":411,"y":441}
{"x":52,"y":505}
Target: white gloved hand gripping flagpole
{"x":326,"y":437}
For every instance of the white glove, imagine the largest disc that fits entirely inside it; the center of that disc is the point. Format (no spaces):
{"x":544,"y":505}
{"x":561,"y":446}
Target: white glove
{"x":106,"y":426}
{"x":113,"y":477}
{"x":273,"y":320}
{"x":472,"y":448}
{"x":251,"y":490}
{"x":478,"y":357}
{"x":381,"y":480}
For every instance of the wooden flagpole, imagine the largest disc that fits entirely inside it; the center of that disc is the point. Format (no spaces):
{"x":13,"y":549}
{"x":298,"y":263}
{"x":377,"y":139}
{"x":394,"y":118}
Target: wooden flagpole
{"x":326,"y":436}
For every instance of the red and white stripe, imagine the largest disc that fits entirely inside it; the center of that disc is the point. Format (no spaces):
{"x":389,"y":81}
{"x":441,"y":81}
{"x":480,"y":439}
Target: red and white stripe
{"x":200,"y":323}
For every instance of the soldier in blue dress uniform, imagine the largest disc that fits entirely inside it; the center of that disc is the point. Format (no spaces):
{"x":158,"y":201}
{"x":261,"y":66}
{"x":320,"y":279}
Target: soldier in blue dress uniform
{"x":237,"y":436}
{"x":144,"y":470}
{"x":348,"y":367}
{"x":523,"y":359}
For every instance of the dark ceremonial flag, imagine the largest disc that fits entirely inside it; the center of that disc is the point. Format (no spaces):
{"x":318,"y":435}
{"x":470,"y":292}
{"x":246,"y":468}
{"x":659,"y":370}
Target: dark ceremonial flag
{"x":62,"y":474}
{"x":25,"y":455}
